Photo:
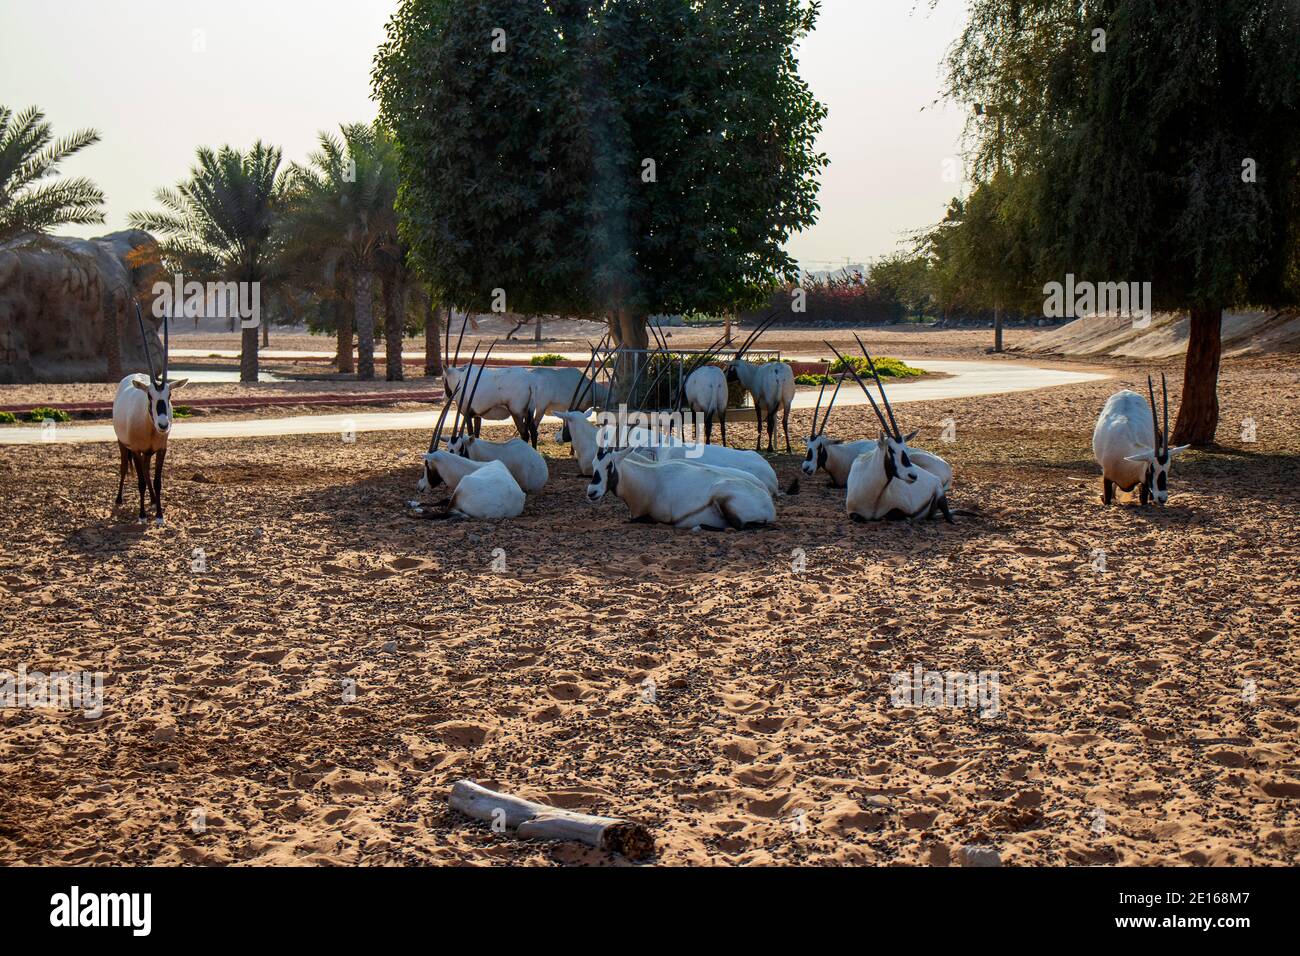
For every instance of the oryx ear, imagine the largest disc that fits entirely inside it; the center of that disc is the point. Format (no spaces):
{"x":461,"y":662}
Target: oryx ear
{"x":1178,"y":450}
{"x":1146,"y":455}
{"x":908,"y":439}
{"x":141,"y":383}
{"x":178,"y":384}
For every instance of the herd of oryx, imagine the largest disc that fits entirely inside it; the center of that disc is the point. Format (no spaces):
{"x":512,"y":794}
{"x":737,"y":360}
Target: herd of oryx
{"x":660,"y":475}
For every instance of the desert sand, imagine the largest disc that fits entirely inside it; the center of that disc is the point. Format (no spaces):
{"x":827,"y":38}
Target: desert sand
{"x":730,"y":691}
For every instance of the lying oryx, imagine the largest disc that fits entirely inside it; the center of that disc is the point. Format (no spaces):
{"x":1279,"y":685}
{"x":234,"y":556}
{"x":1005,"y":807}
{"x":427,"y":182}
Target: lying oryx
{"x":748,"y":462}
{"x":771,"y":385}
{"x":1130,"y":447}
{"x":483,"y":490}
{"x":585,"y":437}
{"x":680,"y":493}
{"x":525,"y":465}
{"x":885,"y":483}
{"x":142,"y":420}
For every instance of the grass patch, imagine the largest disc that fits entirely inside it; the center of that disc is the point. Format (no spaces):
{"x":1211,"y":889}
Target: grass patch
{"x":8,"y":418}
{"x":45,"y":414}
{"x":182,"y":411}
{"x":549,"y":359}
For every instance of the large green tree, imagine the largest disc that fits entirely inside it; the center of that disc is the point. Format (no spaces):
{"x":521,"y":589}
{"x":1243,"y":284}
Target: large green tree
{"x":615,"y":157}
{"x":29,"y":158}
{"x":1148,"y":141}
{"x":221,"y":224}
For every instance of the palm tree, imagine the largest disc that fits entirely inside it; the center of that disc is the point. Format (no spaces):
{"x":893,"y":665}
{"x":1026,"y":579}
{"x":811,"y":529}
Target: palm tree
{"x":29,"y":154}
{"x":343,"y":215}
{"x":220,"y":224}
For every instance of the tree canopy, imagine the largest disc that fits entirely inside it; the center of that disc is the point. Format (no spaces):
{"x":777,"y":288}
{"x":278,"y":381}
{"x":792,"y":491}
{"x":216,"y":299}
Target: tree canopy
{"x":627,"y":157}
{"x":1146,"y":141}
{"x":29,"y":158}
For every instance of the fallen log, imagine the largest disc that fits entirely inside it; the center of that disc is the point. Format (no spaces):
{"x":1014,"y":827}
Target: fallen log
{"x":536,"y":821}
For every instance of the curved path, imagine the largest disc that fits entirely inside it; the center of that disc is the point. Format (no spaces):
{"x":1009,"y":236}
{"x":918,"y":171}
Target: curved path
{"x":965,"y":380}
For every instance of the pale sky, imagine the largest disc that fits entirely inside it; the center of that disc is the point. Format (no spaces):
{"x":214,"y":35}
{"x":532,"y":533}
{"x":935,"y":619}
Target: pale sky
{"x":159,"y":77}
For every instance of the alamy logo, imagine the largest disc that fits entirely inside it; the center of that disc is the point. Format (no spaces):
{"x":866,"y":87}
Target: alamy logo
{"x":212,"y":300}
{"x":955,"y":689}
{"x":61,"y":690}
{"x":623,"y":428}
{"x":75,"y":909}
{"x":1081,"y":300}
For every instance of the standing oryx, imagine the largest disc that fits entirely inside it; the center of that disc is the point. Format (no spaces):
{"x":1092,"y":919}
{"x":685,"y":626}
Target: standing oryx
{"x":1132,"y":448}
{"x":704,"y":389}
{"x":771,"y":385}
{"x":142,"y":420}
{"x":885,"y":483}
{"x":506,"y":393}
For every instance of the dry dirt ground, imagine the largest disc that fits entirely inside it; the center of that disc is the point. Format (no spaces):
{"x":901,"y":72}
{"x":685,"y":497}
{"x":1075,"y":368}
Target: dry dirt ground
{"x":713,"y":686}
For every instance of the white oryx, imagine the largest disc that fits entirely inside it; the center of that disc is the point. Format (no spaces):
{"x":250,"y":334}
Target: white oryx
{"x":479,"y":489}
{"x":585,"y":437}
{"x":1130,"y":446}
{"x":706,"y":394}
{"x":553,"y":391}
{"x":836,"y":457}
{"x":771,"y":385}
{"x":680,"y":493}
{"x":525,"y":465}
{"x":142,"y":420}
{"x":886,"y":484}
{"x":750,"y":463}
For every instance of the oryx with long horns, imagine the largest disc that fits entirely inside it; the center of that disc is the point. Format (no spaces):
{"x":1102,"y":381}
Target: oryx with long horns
{"x":704,"y":389}
{"x":886,"y":483}
{"x":142,"y":421}
{"x":771,"y":385}
{"x":483,"y":490}
{"x":1132,"y":447}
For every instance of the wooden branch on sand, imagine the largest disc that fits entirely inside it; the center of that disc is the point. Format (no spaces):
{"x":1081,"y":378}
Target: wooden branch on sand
{"x":536,"y":821}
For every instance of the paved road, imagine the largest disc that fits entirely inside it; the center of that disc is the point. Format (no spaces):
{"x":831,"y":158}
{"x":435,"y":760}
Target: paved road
{"x":967,"y":379}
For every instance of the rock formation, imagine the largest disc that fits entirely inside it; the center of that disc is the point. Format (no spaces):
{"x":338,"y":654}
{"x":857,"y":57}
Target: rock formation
{"x":66,"y":312}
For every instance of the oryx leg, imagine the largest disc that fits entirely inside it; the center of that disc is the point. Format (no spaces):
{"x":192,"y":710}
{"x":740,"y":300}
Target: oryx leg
{"x":771,"y":431}
{"x":785,"y":427}
{"x":123,"y":466}
{"x":1145,"y":493}
{"x":758,"y":416}
{"x":942,"y":505}
{"x":141,"y":478}
{"x":157,"y":486}
{"x":708,"y":429}
{"x":1107,"y":491}
{"x":722,"y":422}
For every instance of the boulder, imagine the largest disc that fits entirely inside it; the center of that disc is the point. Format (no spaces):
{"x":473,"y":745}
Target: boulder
{"x":66,"y":312}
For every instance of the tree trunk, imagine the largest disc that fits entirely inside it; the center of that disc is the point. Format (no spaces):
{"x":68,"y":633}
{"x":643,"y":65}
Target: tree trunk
{"x":1198,"y":414}
{"x":364,"y":309}
{"x":728,"y":328}
{"x":432,"y":341}
{"x":630,"y":332}
{"x":343,"y":324}
{"x":537,"y":336}
{"x":997,"y":327}
{"x":266,"y":335}
{"x":248,"y":355}
{"x":394,"y":328}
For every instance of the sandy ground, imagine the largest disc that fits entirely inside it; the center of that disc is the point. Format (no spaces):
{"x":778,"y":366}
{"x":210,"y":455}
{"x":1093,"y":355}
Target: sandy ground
{"x":712,"y":686}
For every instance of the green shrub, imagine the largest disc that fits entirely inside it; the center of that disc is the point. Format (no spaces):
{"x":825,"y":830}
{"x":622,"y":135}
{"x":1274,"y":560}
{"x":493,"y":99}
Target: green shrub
{"x":807,"y":379}
{"x":182,"y":411}
{"x":8,"y":418}
{"x":550,"y":358}
{"x":41,"y":414}
{"x":885,"y":366}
